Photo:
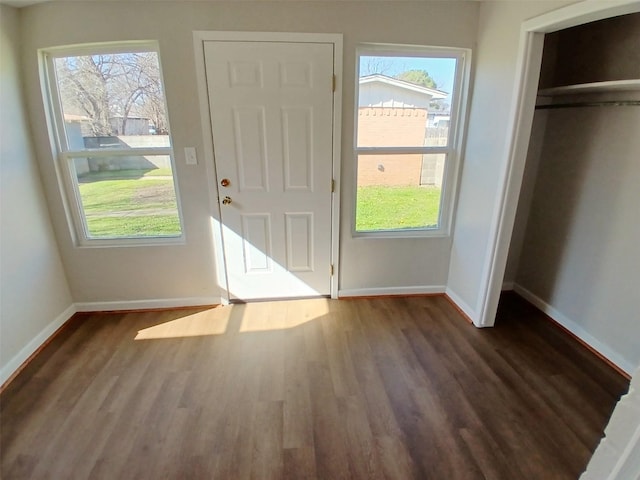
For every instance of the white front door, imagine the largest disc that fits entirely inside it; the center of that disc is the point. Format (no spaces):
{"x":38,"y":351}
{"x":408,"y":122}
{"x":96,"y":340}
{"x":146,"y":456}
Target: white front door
{"x":271,"y":106}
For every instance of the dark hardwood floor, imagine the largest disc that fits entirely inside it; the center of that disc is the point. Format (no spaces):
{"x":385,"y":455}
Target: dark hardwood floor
{"x":395,"y":388}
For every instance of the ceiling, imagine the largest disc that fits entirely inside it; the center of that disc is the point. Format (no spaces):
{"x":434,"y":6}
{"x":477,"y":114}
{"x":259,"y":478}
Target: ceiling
{"x":21,"y":3}
{"x":25,"y":3}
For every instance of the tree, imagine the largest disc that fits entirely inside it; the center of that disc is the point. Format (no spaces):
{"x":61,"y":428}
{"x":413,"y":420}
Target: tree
{"x":83,"y":90}
{"x":376,"y":65}
{"x":102,"y":87}
{"x":419,"y":77}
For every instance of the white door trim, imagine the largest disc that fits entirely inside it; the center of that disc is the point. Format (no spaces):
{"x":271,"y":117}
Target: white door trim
{"x":520,"y":120}
{"x":199,"y":37}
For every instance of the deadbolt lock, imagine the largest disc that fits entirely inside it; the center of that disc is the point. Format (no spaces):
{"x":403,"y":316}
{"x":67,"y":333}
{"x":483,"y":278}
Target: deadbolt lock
{"x":225,"y":182}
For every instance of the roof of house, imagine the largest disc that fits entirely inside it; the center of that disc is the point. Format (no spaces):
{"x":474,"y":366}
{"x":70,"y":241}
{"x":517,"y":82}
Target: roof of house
{"x":378,"y":78}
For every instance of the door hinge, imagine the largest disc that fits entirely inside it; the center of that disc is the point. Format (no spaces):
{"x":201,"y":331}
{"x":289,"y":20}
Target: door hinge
{"x":333,"y":84}
{"x":333,"y":185}
{"x":331,"y":269}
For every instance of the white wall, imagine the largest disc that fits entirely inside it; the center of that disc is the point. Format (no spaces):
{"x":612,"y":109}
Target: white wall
{"x":34,"y":295}
{"x":122,"y":274}
{"x":495,"y":67}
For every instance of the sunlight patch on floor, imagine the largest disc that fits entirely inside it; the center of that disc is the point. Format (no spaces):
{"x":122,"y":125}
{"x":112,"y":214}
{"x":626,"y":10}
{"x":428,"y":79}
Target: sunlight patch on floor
{"x":262,"y":316}
{"x":240,"y":318}
{"x":209,"y":322}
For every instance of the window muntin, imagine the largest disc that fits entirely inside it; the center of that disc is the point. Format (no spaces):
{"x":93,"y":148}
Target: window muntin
{"x":406,"y":139}
{"x":108,"y":107}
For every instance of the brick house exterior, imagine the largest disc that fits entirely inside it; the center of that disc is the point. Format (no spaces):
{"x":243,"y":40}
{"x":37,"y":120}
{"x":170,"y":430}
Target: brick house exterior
{"x":392,"y":112}
{"x":380,"y":126}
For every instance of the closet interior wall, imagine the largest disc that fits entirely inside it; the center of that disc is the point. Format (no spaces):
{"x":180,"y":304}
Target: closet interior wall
{"x":575,"y":251}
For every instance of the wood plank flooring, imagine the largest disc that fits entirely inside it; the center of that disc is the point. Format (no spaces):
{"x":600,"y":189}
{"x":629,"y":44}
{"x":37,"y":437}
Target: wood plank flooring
{"x":389,"y":388}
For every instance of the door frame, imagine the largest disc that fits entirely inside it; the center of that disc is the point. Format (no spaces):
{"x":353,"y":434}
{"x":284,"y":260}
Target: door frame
{"x":519,"y":131}
{"x":199,"y":38}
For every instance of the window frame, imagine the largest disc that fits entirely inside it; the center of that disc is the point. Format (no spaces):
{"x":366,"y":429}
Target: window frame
{"x":64,"y":156}
{"x":453,"y":151}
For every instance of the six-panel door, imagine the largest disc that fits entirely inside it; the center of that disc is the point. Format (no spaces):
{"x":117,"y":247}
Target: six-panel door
{"x":271,"y":108}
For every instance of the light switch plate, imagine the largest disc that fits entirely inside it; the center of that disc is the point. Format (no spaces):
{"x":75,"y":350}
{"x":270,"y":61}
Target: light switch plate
{"x":190,"y":156}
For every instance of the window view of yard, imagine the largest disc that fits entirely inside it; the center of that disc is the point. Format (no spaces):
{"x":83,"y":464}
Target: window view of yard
{"x":399,"y":192}
{"x":389,"y":208}
{"x":131,"y":203}
{"x":114,"y":129}
{"x":402,"y":143}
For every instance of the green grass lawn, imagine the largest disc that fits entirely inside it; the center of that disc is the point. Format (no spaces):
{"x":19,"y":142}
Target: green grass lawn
{"x":143,"y":206}
{"x":392,"y":208}
{"x":134,"y":226}
{"x":130,"y":207}
{"x":124,"y":174}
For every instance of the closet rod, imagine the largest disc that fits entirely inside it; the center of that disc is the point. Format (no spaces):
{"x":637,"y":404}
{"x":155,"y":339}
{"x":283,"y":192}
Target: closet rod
{"x":612,"y":103}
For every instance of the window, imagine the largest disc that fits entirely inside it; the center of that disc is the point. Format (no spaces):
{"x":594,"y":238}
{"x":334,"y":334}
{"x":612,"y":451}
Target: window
{"x":114,"y":147}
{"x":407,"y":139}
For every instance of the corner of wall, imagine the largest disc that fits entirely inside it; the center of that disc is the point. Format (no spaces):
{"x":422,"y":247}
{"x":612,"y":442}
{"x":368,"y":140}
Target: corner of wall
{"x":10,"y":369}
{"x":464,"y":307}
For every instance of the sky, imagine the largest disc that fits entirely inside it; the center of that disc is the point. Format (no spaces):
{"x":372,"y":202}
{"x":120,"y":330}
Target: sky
{"x":442,"y":70}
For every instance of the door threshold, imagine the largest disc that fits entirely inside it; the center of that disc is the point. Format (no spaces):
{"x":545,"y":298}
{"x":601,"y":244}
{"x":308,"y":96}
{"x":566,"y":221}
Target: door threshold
{"x":233,"y":301}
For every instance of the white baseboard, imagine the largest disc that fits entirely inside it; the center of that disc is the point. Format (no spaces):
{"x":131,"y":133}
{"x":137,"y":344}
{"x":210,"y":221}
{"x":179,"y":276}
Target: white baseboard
{"x":507,"y":286}
{"x":23,"y":355}
{"x":387,"y":291}
{"x":603,"y":349}
{"x":147,"y":304}
{"x":462,"y":305}
{"x":36,"y":342}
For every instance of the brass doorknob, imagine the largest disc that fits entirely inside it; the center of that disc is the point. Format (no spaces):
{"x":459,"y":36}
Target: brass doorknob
{"x":226,"y":200}
{"x":225,"y":182}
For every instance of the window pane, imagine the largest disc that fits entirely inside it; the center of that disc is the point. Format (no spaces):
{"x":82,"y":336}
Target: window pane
{"x":399,"y":191}
{"x":112,"y":101}
{"x":404,"y":101}
{"x":130,"y":196}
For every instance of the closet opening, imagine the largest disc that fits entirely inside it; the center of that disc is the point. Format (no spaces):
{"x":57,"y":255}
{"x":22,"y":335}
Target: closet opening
{"x":573,"y":249}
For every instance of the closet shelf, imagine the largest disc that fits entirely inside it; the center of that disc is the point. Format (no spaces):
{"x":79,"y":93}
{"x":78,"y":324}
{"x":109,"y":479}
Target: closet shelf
{"x":595,"y":87}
